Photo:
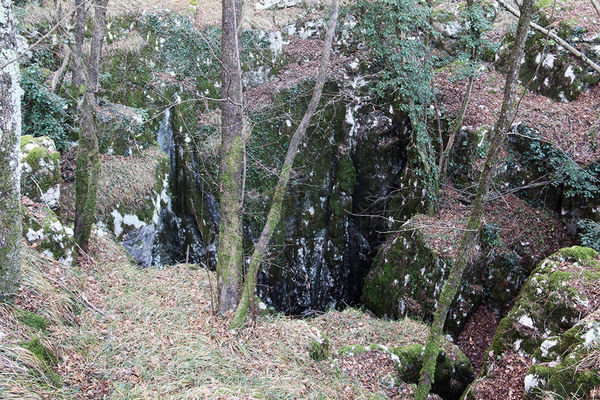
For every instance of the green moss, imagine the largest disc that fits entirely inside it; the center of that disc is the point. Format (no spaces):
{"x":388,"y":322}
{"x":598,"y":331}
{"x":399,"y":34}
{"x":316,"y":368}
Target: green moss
{"x":579,"y":254}
{"x":319,"y":349}
{"x":452,"y":375}
{"x":25,"y":140}
{"x":40,"y":351}
{"x":31,"y":319}
{"x":48,"y":359}
{"x":351,"y":349}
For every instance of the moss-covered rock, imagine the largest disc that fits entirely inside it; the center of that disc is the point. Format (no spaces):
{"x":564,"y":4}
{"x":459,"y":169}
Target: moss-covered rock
{"x":553,"y":299}
{"x":47,"y":233}
{"x":548,"y":326}
{"x":124,"y":130}
{"x":453,"y":369}
{"x":40,"y":170}
{"x":408,"y":275}
{"x":132,"y":191}
{"x":567,"y":365}
{"x":554,"y":71}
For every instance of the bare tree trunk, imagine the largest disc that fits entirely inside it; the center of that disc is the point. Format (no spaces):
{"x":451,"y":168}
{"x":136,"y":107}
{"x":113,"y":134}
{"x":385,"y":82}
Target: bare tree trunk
{"x":500,"y":132}
{"x":455,"y":128}
{"x":229,"y":258}
{"x":10,"y":172}
{"x":60,"y":73}
{"x":87,"y":168}
{"x":276,"y":206}
{"x":80,"y":15}
{"x":457,"y":123}
{"x":97,"y":41}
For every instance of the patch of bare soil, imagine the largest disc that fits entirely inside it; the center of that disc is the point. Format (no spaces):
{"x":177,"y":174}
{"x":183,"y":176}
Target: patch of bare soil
{"x":477,"y":336}
{"x":507,"y":380}
{"x":569,"y":126}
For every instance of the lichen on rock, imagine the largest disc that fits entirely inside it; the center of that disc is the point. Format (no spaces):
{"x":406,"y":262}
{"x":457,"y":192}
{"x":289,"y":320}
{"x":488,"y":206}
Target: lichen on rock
{"x":40,"y":170}
{"x":44,"y":231}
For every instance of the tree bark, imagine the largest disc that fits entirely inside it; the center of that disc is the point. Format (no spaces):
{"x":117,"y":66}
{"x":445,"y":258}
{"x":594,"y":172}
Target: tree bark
{"x":276,"y":206}
{"x":457,"y":123}
{"x":80,"y":15}
{"x":229,"y":258}
{"x":87,"y":167}
{"x":499,"y":135}
{"x":100,"y":7}
{"x":10,"y":171}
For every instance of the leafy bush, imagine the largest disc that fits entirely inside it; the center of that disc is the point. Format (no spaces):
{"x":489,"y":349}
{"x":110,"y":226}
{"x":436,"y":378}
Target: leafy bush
{"x":559,"y":166}
{"x":589,"y":233}
{"x":44,"y":113}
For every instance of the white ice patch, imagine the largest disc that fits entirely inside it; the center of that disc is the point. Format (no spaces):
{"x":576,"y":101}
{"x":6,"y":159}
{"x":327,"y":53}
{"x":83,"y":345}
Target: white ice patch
{"x":33,"y":235}
{"x":549,"y":61}
{"x":52,"y":196}
{"x":517,"y":344}
{"x":270,"y":4}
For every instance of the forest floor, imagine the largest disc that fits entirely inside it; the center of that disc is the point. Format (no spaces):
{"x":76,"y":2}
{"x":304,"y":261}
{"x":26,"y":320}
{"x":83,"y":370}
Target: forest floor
{"x":116,"y":331}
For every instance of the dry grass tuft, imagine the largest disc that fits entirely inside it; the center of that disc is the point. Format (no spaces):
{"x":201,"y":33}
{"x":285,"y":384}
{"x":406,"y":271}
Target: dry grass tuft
{"x":53,"y":292}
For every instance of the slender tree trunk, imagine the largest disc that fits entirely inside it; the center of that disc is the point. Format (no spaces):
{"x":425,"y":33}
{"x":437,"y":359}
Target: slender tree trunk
{"x":80,"y":15}
{"x":87,"y":168}
{"x":500,"y":132}
{"x":60,"y":73}
{"x":229,"y":258}
{"x":100,"y":7}
{"x":455,"y":127}
{"x":10,"y":171}
{"x":274,"y":216}
{"x":457,"y":123}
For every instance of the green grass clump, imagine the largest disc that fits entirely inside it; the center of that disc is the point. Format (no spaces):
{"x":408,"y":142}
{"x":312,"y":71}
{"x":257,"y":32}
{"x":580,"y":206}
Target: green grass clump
{"x":31,"y":319}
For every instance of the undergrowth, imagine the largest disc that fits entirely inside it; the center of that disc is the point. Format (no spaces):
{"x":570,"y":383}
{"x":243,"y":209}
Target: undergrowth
{"x":109,"y":329}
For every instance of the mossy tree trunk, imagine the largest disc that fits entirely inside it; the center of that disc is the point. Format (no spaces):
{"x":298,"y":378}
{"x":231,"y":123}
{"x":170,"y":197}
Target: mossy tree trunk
{"x":274,"y":216}
{"x":229,"y":257}
{"x":10,"y":173}
{"x":499,"y":135}
{"x":87,"y":168}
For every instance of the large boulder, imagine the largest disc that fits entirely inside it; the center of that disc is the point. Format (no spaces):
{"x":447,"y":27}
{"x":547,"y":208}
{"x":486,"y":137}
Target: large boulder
{"x":568,"y":364}
{"x":548,"y":328}
{"x":40,"y":170}
{"x":408,"y":275}
{"x":453,"y":370}
{"x":45,"y":232}
{"x":410,"y":269}
{"x":554,"y":72}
